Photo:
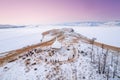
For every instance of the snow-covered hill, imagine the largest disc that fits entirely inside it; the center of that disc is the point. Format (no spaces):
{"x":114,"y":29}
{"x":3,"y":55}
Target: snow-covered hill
{"x":11,"y":26}
{"x":91,"y":23}
{"x":62,"y":55}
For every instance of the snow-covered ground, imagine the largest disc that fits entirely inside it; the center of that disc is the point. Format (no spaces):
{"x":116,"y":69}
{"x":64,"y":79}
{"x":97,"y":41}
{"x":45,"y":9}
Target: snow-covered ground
{"x":71,"y":61}
{"x":11,"y":39}
{"x":15,"y":38}
{"x":107,"y":35}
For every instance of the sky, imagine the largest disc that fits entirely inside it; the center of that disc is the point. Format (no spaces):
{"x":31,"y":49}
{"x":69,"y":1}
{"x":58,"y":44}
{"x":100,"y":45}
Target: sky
{"x":57,"y":11}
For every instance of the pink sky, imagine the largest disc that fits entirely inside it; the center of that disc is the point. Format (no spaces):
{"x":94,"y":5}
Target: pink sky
{"x":55,"y":11}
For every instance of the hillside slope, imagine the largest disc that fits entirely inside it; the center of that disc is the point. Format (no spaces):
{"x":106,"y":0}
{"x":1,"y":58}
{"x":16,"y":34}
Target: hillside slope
{"x":62,"y":54}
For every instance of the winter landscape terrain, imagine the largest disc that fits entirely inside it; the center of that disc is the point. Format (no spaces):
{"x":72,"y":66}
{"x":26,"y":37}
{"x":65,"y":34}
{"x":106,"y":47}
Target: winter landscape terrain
{"x":105,"y":32}
{"x":76,"y":51}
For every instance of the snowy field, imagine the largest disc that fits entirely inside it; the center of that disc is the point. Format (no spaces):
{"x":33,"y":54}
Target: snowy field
{"x":63,"y":61}
{"x":15,"y":38}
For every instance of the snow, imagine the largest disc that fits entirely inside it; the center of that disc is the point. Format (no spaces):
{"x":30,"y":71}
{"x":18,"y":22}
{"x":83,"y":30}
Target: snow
{"x":56,"y":44}
{"x":59,"y":65}
{"x":12,"y":39}
{"x":47,"y":38}
{"x":15,"y":38}
{"x":107,"y":35}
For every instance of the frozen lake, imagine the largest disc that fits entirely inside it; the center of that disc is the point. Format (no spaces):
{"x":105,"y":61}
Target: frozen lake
{"x":15,"y":38}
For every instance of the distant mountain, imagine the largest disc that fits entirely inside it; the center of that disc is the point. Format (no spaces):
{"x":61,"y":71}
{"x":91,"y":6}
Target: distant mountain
{"x":10,"y":26}
{"x":90,"y":23}
{"x":79,"y":24}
